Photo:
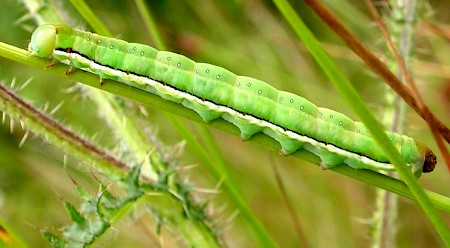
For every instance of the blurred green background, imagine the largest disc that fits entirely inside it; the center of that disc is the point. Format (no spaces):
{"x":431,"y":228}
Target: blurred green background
{"x":249,"y":38}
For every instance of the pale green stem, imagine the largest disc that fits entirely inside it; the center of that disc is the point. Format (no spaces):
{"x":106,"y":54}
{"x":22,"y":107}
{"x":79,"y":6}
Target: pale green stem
{"x":385,"y":217}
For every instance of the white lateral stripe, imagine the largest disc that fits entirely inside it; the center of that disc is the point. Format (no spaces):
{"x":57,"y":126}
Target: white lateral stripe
{"x":222,"y":109}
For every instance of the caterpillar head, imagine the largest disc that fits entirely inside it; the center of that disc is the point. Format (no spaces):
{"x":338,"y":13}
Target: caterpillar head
{"x":426,"y":162}
{"x":43,"y":41}
{"x":429,"y":161}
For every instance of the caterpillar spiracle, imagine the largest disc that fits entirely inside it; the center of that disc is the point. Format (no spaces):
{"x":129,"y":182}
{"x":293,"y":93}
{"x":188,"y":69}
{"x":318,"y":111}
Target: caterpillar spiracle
{"x":214,"y":92}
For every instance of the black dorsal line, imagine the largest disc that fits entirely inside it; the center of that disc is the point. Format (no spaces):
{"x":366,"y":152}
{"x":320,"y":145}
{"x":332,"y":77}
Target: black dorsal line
{"x":218,"y":104}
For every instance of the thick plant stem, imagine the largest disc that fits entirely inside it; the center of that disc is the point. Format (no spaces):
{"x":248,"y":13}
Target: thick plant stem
{"x":367,"y":176}
{"x":134,"y":141}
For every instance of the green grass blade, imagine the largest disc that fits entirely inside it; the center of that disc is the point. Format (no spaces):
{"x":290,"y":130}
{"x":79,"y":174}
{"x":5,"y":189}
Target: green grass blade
{"x":14,"y":240}
{"x":88,"y":15}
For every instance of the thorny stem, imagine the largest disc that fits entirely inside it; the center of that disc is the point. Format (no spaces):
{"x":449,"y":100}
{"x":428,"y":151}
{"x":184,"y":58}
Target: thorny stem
{"x":43,"y":125}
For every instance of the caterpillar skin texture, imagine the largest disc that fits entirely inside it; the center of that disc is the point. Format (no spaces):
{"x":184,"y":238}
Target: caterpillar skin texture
{"x":214,"y":92}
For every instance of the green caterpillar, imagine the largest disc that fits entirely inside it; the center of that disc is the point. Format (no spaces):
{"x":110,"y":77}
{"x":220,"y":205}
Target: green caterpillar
{"x":214,"y":92}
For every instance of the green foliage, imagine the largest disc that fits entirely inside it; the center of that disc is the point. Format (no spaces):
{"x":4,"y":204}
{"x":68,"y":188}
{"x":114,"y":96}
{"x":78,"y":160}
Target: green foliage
{"x":96,"y":212}
{"x":249,"y":38}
